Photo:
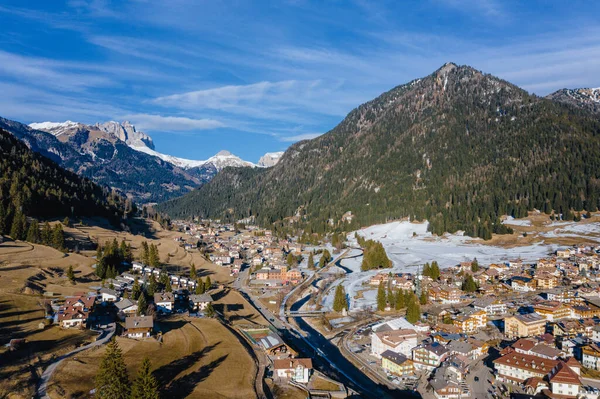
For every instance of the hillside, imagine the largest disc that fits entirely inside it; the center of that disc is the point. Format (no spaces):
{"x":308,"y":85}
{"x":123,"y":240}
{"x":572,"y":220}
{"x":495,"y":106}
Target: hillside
{"x":458,"y":148}
{"x":38,"y":187}
{"x":588,"y":99}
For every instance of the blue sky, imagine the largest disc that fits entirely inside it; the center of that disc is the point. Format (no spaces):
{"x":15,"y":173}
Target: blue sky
{"x":256,"y":76}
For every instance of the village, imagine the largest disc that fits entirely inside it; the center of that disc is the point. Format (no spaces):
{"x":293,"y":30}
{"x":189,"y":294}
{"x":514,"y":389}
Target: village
{"x":482,"y":331}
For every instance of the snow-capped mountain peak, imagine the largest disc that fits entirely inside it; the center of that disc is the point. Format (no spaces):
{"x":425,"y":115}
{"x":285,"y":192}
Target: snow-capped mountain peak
{"x":142,"y":142}
{"x":56,"y":128}
{"x":270,"y":159}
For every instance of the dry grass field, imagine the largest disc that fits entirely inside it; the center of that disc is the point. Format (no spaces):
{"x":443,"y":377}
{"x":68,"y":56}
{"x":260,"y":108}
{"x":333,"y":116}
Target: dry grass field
{"x":27,"y":271}
{"x":175,"y":257}
{"x":198,"y":358}
{"x":537,"y":231}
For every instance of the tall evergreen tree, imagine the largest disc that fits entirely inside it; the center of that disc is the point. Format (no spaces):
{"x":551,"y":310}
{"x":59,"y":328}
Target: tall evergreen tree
{"x":207,"y":284}
{"x":340,"y":302}
{"x":145,"y":256}
{"x":399,"y":301}
{"x":47,"y":234}
{"x":136,"y":290}
{"x":33,"y":233}
{"x":423,"y":298}
{"x":112,"y":380}
{"x":152,"y":286}
{"x":209,"y":311}
{"x":71,"y":274}
{"x":142,"y":305}
{"x":145,"y":385}
{"x":18,"y":229}
{"x":469,"y":285}
{"x":311,"y":261}
{"x":381,"y":299}
{"x":58,"y":238}
{"x":193,"y":271}
{"x":200,"y":289}
{"x":413,"y":310}
{"x":474,"y":265}
{"x":435,"y":270}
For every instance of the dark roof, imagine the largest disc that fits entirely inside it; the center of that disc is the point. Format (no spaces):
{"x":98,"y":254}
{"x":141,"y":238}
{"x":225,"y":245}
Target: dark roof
{"x":394,"y":357}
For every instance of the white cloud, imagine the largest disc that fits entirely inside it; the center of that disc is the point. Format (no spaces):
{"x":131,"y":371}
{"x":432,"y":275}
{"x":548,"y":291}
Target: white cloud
{"x":299,"y":137}
{"x":172,"y":123}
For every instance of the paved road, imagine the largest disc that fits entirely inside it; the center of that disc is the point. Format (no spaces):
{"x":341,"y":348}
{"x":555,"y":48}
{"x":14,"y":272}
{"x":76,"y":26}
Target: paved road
{"x":326,"y":356}
{"x":42,"y":390}
{"x":480,"y":388}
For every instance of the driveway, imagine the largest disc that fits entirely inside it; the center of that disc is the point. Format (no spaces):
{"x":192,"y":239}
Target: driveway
{"x":104,"y":337}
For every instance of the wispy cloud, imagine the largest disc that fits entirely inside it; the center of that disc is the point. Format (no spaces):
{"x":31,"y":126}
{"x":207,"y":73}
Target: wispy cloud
{"x":299,"y":137}
{"x":171,"y":123}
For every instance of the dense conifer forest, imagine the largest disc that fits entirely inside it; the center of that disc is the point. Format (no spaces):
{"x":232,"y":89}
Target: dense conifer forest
{"x":458,"y":148}
{"x":32,"y":186}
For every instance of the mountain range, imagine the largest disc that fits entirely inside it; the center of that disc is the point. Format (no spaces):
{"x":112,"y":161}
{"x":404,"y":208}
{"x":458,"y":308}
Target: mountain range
{"x":117,"y":155}
{"x":459,"y":148}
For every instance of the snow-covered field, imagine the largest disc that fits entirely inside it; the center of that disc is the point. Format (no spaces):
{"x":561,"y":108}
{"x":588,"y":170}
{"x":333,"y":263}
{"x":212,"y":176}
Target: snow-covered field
{"x":409,"y":252}
{"x":516,"y":222}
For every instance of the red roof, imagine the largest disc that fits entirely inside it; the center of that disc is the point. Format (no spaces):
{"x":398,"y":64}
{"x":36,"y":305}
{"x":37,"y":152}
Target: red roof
{"x":565,"y":375}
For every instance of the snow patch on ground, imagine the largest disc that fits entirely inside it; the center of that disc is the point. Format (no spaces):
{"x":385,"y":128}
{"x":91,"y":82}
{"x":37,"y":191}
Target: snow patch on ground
{"x":516,"y":222}
{"x":409,"y":252}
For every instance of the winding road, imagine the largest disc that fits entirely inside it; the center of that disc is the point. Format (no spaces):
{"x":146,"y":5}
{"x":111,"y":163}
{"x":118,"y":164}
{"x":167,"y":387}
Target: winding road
{"x":42,"y":389}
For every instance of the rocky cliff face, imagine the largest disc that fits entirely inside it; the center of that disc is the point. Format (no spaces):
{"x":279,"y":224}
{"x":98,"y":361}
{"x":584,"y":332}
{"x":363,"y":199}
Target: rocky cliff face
{"x":270,"y":159}
{"x":126,"y":132}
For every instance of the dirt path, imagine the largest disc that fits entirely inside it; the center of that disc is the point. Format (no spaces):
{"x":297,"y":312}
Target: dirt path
{"x":42,"y":390}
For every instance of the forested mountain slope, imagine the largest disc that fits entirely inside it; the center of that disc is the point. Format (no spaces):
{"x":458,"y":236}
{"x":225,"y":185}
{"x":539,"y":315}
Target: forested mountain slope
{"x":33,"y":185}
{"x":103,"y":157}
{"x":459,"y":148}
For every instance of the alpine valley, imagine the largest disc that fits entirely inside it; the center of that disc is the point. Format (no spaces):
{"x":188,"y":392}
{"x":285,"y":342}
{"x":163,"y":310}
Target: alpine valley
{"x":117,"y":155}
{"x":458,"y":148}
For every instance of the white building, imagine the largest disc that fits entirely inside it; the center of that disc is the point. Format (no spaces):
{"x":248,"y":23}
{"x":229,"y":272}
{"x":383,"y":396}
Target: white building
{"x":398,"y":341}
{"x":294,"y":369}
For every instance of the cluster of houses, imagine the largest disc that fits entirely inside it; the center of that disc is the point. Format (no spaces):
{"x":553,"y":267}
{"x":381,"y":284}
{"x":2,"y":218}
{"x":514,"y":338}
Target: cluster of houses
{"x":548,"y":313}
{"x":253,"y":247}
{"x":286,"y":365}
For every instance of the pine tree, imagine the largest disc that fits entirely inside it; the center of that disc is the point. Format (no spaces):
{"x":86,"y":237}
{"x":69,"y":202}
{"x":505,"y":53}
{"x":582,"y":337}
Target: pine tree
{"x":145,"y":257}
{"x":381,"y":300}
{"x":66,"y":222}
{"x":145,"y":385}
{"x":142,"y":305}
{"x":413,"y":310}
{"x":200,"y":287}
{"x":58,"y":238}
{"x":391,"y":298}
{"x":209,"y":311}
{"x":311,"y":261}
{"x":435,"y":270}
{"x":136,"y":290}
{"x":426,"y":270}
{"x":469,"y":285}
{"x":423,"y":298}
{"x":112,"y":381}
{"x":33,"y":233}
{"x":474,"y":265}
{"x":16,"y":231}
{"x":47,"y":234}
{"x":340,"y":302}
{"x":152,"y":286}
{"x":399,"y":301}
{"x":193,"y":271}
{"x":207,"y":284}
{"x":290,"y":259}
{"x":71,"y":274}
